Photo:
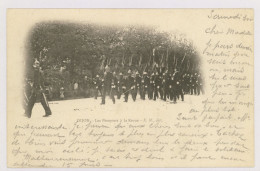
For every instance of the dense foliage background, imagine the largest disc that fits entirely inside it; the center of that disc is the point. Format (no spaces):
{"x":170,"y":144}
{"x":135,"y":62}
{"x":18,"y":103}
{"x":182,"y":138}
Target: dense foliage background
{"x":69,"y":51}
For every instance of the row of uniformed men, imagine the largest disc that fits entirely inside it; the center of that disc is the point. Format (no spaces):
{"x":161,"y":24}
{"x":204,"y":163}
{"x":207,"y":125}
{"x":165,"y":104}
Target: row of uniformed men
{"x":157,"y":85}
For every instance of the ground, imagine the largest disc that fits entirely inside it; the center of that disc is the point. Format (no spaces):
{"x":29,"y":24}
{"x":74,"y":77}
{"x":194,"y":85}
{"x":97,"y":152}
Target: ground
{"x":91,"y":107}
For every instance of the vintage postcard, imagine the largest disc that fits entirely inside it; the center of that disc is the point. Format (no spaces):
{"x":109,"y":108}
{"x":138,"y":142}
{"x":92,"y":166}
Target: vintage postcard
{"x":110,"y":88}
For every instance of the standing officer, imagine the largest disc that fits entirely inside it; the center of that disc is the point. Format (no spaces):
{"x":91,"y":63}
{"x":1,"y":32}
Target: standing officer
{"x":157,"y":86}
{"x":86,"y":86}
{"x":127,"y":85}
{"x":165,"y":85}
{"x":178,"y":85}
{"x":186,"y":78}
{"x":195,"y":80}
{"x":144,"y":85}
{"x":124,"y":83}
{"x":119,"y":85}
{"x":102,"y":83}
{"x":113,"y":87}
{"x":188,"y":83}
{"x":38,"y":91}
{"x":161,"y":88}
{"x":106,"y":85}
{"x":151,"y":87}
{"x":138,"y":84}
{"x":172,"y":88}
{"x":97,"y":86}
{"x":192,"y":84}
{"x":133,"y":87}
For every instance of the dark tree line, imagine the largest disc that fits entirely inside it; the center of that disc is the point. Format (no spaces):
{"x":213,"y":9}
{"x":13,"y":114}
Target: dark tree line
{"x":70,"y":51}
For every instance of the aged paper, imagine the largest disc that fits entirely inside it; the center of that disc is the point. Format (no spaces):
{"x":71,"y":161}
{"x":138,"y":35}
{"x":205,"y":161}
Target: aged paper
{"x":214,"y":129}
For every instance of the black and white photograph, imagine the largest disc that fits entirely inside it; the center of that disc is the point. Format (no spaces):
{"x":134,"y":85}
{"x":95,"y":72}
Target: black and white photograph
{"x":129,"y":63}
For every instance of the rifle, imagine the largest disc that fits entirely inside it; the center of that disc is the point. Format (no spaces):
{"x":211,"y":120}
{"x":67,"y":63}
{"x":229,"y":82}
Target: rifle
{"x":127,"y":91}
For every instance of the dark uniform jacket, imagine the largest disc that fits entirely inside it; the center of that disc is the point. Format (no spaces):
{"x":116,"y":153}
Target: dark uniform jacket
{"x":145,"y":81}
{"x":165,"y":81}
{"x":38,"y":82}
{"x":151,"y":82}
{"x":96,"y":83}
{"x":119,"y":83}
{"x":138,"y":81}
{"x":127,"y":82}
{"x":157,"y":82}
{"x":108,"y":80}
{"x":114,"y":83}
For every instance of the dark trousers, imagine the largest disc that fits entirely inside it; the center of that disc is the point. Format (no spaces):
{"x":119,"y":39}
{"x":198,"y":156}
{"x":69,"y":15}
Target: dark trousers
{"x":150,"y":93}
{"x":111,"y":94}
{"x":180,"y":93}
{"x":173,"y":94}
{"x":126,"y":96}
{"x":186,"y":89}
{"x":32,"y":101}
{"x":96,"y":93}
{"x":104,"y":91}
{"x":136,"y":91}
{"x":156,"y":93}
{"x":143,"y":92}
{"x":134,"y":94}
{"x":193,"y":90}
{"x":119,"y":92}
{"x":165,"y":93}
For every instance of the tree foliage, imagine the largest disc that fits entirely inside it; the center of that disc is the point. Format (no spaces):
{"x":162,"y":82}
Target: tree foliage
{"x":68,"y":50}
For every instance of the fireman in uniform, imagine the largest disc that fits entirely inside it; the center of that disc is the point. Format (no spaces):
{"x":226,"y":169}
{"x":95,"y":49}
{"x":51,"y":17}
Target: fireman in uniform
{"x":171,"y":88}
{"x":192,"y":84}
{"x":38,"y":92}
{"x":144,"y":85}
{"x":119,"y":85}
{"x":97,"y":86}
{"x":113,"y":87}
{"x":178,"y":86}
{"x":86,"y":86}
{"x":106,"y":84}
{"x":187,"y":83}
{"x":127,"y":85}
{"x":157,"y":86}
{"x":133,"y":87}
{"x":196,"y":83}
{"x":165,"y":85}
{"x":138,"y":80}
{"x":151,"y":87}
